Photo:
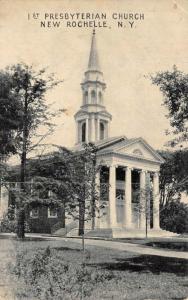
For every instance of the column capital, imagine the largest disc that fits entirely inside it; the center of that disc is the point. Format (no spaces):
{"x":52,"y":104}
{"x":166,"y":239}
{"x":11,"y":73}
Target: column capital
{"x":143,"y":171}
{"x":156,"y":174}
{"x":113,"y":166}
{"x":129,"y":168}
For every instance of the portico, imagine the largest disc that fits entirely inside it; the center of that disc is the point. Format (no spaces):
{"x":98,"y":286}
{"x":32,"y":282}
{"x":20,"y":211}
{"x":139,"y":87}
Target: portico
{"x":133,"y":193}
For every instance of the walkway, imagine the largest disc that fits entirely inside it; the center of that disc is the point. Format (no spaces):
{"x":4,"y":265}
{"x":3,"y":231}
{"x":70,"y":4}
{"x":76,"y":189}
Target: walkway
{"x":129,"y":247}
{"x":135,"y":248}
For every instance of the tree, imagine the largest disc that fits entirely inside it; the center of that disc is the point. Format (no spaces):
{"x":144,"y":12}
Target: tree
{"x":173,"y":176}
{"x":72,"y":178}
{"x":173,"y":181}
{"x":174,"y":87}
{"x":79,"y":176}
{"x":28,"y":89}
{"x":143,"y":198}
{"x":174,"y":217}
{"x":9,"y":115}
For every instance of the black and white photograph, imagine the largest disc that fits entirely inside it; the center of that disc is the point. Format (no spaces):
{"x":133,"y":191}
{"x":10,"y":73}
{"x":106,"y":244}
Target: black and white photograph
{"x":93,"y":150}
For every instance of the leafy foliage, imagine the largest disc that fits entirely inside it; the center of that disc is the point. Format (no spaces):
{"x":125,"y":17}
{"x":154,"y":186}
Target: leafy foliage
{"x":24,"y":89}
{"x":174,"y":181}
{"x":174,"y":87}
{"x":45,"y":275}
{"x":9,"y":115}
{"x":23,"y":107}
{"x":173,"y":176}
{"x":71,"y":176}
{"x":174,"y":217}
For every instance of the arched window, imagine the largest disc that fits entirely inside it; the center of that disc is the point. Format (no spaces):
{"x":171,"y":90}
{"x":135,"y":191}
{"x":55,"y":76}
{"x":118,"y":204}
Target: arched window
{"x":100,"y":98}
{"x":93,"y":97}
{"x":102,"y":129}
{"x":86,"y":97}
{"x":83,"y":132}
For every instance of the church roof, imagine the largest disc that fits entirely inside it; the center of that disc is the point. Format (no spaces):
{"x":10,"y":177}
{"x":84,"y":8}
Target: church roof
{"x":124,"y":143}
{"x":93,"y":64}
{"x":102,"y":144}
{"x":109,"y":142}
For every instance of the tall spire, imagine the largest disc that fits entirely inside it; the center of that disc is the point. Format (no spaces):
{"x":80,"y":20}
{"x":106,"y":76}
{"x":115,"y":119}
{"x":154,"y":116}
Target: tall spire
{"x":93,"y":63}
{"x":92,"y":119}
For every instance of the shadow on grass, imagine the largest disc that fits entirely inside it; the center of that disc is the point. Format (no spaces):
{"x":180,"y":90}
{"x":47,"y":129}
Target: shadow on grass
{"x":148,"y":263}
{"x":66,"y":249}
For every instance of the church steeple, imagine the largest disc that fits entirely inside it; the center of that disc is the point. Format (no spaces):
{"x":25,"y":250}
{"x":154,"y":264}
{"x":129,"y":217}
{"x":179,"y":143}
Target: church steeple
{"x":93,"y":64}
{"x":92,"y":119}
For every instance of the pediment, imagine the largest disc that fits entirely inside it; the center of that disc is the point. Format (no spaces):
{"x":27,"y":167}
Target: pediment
{"x":139,"y":149}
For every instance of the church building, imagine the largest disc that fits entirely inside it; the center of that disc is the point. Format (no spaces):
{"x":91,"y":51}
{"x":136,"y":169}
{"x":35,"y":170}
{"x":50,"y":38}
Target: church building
{"x":132,"y":164}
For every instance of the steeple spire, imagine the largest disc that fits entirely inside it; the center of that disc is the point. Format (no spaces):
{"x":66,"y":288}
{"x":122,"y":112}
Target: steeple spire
{"x":93,"y":64}
{"x":92,"y":119}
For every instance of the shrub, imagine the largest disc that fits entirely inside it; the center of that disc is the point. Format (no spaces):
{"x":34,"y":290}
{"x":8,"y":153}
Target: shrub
{"x":174,"y":217}
{"x":45,"y":276}
{"x":10,"y":225}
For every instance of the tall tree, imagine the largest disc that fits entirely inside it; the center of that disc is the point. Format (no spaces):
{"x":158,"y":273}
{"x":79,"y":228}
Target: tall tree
{"x":28,"y":89}
{"x":174,"y":87}
{"x":9,"y":115}
{"x":173,"y":176}
{"x":72,"y":177}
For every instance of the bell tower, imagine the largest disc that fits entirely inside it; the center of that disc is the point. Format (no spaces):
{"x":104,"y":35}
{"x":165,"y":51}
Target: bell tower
{"x":92,"y":119}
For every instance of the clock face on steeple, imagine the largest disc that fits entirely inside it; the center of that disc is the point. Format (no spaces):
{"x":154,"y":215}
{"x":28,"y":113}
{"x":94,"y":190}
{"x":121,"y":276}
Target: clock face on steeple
{"x":92,"y":119}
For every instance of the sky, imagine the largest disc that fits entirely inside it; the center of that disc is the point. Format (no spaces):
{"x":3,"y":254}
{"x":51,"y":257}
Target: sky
{"x":127,"y":55}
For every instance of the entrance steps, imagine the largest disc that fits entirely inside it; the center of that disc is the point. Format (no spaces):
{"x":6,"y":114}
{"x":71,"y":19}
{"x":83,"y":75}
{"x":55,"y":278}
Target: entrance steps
{"x":98,"y":233}
{"x":71,"y":231}
{"x":101,"y":233}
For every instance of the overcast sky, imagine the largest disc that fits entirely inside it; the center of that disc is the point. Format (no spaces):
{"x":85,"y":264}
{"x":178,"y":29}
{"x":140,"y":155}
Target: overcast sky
{"x":126,"y":55}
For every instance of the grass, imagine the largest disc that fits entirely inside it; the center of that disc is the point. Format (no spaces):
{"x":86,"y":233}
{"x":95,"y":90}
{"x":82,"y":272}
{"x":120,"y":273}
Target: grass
{"x":171,"y":244}
{"x":134,"y":276}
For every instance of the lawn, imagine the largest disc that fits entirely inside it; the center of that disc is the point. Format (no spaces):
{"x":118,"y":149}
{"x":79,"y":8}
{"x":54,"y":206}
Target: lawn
{"x":107,"y":274}
{"x":175,"y":244}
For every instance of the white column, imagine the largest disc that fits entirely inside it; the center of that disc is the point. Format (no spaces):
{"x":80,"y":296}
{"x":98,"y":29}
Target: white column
{"x":106,"y":131}
{"x":97,"y":130}
{"x":87,"y":130}
{"x":92,"y":128}
{"x":109,"y":128}
{"x":97,"y":204}
{"x":142,"y":200}
{"x":156,"y":221}
{"x":128,"y":198}
{"x":112,"y":196}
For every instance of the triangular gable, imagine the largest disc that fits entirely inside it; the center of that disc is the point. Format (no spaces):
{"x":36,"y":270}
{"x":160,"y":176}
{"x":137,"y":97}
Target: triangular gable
{"x":138,"y":148}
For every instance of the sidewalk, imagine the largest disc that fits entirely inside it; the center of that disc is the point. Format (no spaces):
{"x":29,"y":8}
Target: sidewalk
{"x":135,"y":248}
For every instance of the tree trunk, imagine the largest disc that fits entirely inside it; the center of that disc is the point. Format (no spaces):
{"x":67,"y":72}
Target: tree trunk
{"x":21,"y":211}
{"x":93,"y":209}
{"x":81,"y":217}
{"x":63,"y":215}
{"x":21,"y":224}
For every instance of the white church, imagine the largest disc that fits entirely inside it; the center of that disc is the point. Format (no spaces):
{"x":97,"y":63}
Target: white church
{"x":132,"y":165}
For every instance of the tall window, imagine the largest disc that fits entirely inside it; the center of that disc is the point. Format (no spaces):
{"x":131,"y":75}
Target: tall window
{"x":86,"y":97}
{"x":83,"y":132}
{"x":102,"y":129}
{"x":100,"y":98}
{"x":93,"y":97}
